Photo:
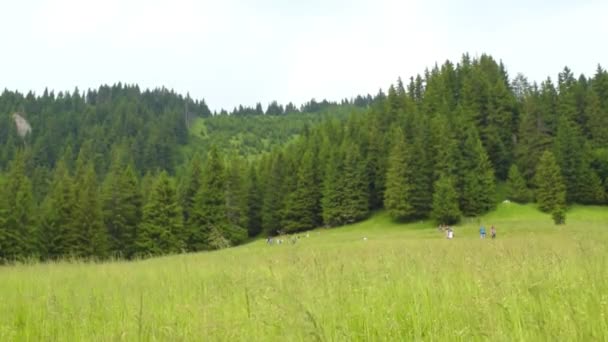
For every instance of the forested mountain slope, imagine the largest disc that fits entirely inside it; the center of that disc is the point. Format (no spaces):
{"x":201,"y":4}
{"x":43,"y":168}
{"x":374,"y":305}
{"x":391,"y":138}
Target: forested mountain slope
{"x":434,"y":147}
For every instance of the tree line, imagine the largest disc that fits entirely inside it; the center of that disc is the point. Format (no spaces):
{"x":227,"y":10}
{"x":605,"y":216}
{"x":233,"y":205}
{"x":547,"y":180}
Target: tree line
{"x":437,"y":148}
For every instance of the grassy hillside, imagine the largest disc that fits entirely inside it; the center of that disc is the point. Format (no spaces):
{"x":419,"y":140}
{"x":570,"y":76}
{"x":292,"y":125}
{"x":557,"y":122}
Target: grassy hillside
{"x":404,"y":282}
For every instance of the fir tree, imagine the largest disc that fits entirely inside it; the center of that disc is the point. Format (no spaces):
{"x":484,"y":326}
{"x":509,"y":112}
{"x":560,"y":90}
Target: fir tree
{"x":92,"y":235}
{"x":517,"y":190}
{"x":121,"y":205}
{"x":191,"y":184}
{"x":18,"y":236}
{"x":445,"y":201}
{"x":162,"y":222}
{"x":354,"y":186}
{"x":478,"y":193}
{"x":300,"y":205}
{"x":397,"y":198}
{"x":254,"y":203}
{"x":57,"y":229}
{"x":273,"y":189}
{"x":550,"y":189}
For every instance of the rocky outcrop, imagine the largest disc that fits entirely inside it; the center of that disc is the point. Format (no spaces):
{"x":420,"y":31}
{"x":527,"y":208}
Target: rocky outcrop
{"x":23,"y":127}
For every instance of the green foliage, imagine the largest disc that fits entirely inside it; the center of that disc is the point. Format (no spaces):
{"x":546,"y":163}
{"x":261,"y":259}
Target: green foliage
{"x":254,"y":203}
{"x":18,"y":234}
{"x":445,"y":201}
{"x":58,"y":208}
{"x":397,"y":198}
{"x":285,"y":168}
{"x":550,"y":188}
{"x":301,"y":205}
{"x":122,"y":209}
{"x":162,"y":224}
{"x":517,"y":189}
{"x":478,"y":189}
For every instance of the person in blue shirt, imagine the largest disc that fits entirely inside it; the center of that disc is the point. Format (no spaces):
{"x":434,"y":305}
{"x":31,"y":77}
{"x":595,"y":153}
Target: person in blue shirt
{"x":482,"y":232}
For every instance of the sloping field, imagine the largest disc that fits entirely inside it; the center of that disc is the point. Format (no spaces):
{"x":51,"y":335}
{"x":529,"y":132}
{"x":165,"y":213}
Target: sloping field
{"x":373,"y":281}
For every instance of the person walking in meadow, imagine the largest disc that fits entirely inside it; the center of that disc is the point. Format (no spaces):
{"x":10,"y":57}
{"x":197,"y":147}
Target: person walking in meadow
{"x":450,"y":233}
{"x":482,"y":232}
{"x":493,"y":232}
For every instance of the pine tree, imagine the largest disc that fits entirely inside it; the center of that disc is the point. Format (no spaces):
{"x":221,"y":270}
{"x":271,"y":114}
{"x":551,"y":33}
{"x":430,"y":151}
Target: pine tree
{"x":333,"y":195}
{"x":121,"y":207}
{"x":92,"y":235}
{"x":354,"y":185}
{"x":478,"y":192}
{"x":517,"y":190}
{"x":397,"y":198}
{"x":420,"y":164}
{"x":273,"y":189}
{"x":235,"y":193}
{"x":571,"y":153}
{"x":18,"y":235}
{"x":300,"y":205}
{"x":162,"y":222}
{"x":57,"y":229}
{"x":209,"y":223}
{"x":445,"y":201}
{"x":254,"y":203}
{"x":190,"y":186}
{"x":550,"y":189}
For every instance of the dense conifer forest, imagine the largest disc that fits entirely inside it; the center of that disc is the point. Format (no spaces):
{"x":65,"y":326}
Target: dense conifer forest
{"x":121,"y":172}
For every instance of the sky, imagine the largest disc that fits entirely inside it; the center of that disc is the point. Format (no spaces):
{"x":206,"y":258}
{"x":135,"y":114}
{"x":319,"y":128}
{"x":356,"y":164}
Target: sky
{"x":242,"y":52}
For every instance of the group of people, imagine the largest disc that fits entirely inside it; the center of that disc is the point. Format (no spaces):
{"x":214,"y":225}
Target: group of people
{"x":482,"y":232}
{"x":280,"y":239}
{"x":449,"y":231}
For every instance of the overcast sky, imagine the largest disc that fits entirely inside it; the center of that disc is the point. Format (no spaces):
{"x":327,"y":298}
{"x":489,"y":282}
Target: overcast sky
{"x":241,"y":52}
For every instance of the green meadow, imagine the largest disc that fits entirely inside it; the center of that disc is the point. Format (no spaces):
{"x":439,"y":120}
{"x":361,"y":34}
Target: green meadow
{"x":373,"y":281}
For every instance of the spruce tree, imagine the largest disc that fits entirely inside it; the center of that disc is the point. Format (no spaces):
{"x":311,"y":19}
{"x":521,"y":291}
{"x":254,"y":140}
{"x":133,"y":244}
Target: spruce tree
{"x":478,"y":187}
{"x":18,"y":235}
{"x":57,"y":226}
{"x":162,"y":224}
{"x":420,"y":165}
{"x":92,"y":235}
{"x":273,"y":198}
{"x":354,"y":186}
{"x":517,"y":190}
{"x":550,"y":188}
{"x":333,"y":194}
{"x":190,"y":185}
{"x":209,"y":223}
{"x":300,"y":205}
{"x":254,"y":203}
{"x":236,"y":193}
{"x":121,"y":206}
{"x":445,"y":201}
{"x":397,"y":198}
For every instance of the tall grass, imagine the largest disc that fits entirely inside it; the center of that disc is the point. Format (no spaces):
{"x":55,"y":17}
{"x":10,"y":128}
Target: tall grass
{"x":405,"y":282}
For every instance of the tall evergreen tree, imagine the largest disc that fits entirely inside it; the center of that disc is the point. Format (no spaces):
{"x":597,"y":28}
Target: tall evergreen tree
{"x":58,"y":232}
{"x":18,"y":235}
{"x":354,"y":185}
{"x":254,"y":203}
{"x":92,"y":235}
{"x":517,"y":190}
{"x":121,"y":206}
{"x":191,"y":184}
{"x":478,"y":192}
{"x":273,"y":189}
{"x":550,"y":188}
{"x":162,"y":222}
{"x":301,"y":205}
{"x":397,"y":198}
{"x":445,"y":201}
